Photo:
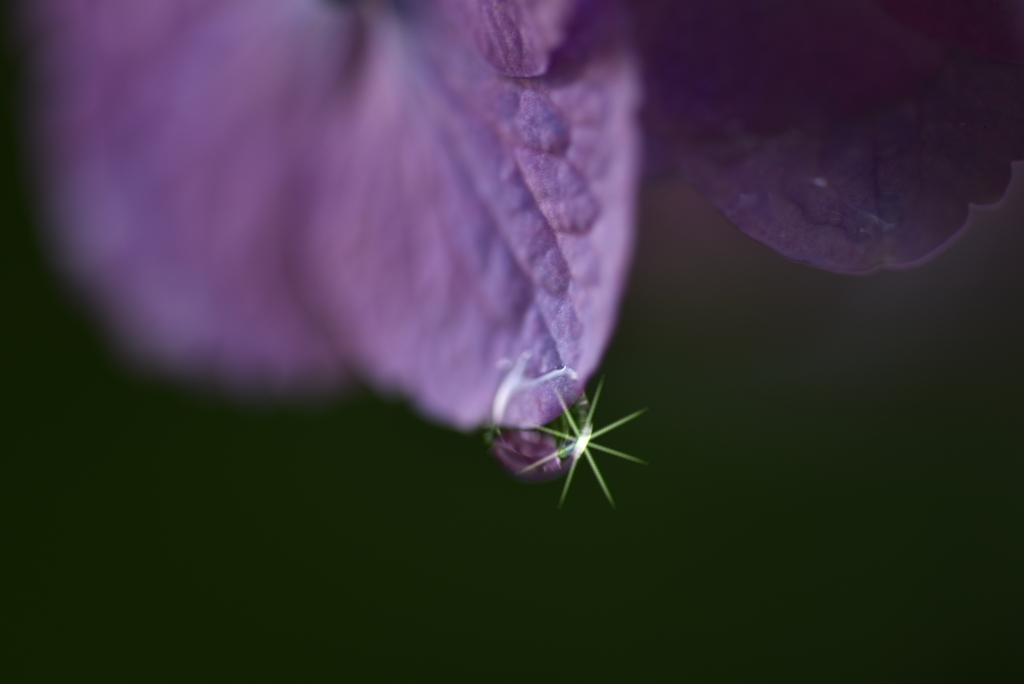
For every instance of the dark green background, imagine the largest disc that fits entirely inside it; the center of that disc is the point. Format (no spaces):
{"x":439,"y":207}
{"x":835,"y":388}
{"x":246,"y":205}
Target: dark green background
{"x":834,"y":491}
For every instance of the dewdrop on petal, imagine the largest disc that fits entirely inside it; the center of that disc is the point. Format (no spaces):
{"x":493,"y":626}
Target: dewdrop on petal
{"x":529,"y":455}
{"x":536,"y":456}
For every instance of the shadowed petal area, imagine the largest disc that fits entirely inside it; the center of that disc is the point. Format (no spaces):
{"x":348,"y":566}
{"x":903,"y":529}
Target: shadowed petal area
{"x":831,"y":132}
{"x":989,"y":28}
{"x":271,"y":192}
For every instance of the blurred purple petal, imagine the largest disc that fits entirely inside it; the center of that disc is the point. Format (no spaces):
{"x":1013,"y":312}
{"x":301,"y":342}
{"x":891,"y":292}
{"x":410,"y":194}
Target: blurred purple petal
{"x":830,"y":132}
{"x":274,"y":191}
{"x":172,"y":142}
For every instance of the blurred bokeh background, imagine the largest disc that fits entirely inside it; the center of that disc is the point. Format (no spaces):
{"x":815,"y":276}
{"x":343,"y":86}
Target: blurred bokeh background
{"x":834,"y":491}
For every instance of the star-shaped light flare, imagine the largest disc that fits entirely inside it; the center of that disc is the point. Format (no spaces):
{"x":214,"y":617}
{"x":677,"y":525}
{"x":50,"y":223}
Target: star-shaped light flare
{"x":581,"y":441}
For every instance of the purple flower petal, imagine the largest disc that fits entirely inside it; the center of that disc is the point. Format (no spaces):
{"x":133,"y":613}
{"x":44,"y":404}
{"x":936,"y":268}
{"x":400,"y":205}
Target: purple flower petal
{"x":275,"y":191}
{"x":830,"y":131}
